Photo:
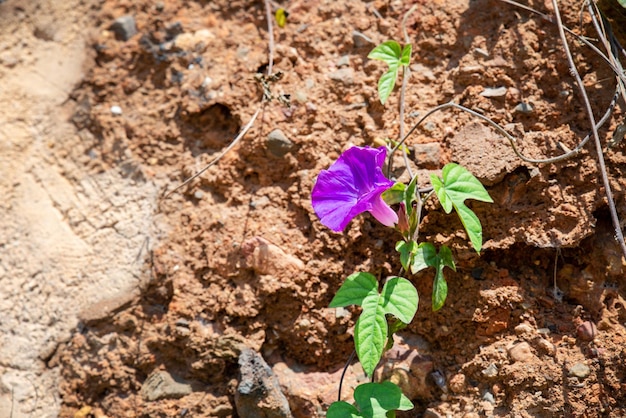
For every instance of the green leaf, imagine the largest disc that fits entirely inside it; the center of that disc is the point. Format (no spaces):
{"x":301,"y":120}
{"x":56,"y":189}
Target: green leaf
{"x":409,"y":195}
{"x":370,"y":333}
{"x":406,"y":250}
{"x":389,"y":52}
{"x":375,"y":399}
{"x":395,"y":194}
{"x":458,"y":185}
{"x":425,"y":256}
{"x":342,"y":409}
{"x":355,"y":289}
{"x":445,"y":257}
{"x":440,"y":286}
{"x":405,"y":58}
{"x":386,"y":83}
{"x":400,"y":299}
{"x":440,"y":290}
{"x":622,"y":3}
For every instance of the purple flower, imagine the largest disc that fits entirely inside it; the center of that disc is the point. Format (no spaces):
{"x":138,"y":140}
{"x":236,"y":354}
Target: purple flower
{"x":352,"y":185}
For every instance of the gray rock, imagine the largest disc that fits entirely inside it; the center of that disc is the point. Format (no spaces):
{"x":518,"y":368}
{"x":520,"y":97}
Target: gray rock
{"x":580,"y":370}
{"x":488,"y":396}
{"x":162,"y":385}
{"x":526,"y":108}
{"x":278,"y":144}
{"x":124,"y":27}
{"x":494,"y":92}
{"x":343,"y":75}
{"x":490,"y":371}
{"x":259,"y":393}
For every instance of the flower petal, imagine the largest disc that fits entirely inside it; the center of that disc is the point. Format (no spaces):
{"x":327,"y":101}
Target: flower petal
{"x":352,"y":185}
{"x":383,"y":212}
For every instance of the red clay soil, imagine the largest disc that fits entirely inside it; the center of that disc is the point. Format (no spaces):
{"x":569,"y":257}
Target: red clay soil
{"x":242,"y":260}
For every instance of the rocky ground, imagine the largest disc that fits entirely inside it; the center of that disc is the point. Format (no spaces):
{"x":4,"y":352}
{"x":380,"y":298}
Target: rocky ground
{"x":122,"y":300}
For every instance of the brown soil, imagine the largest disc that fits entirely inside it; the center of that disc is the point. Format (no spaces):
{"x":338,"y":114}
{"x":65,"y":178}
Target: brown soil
{"x":238,"y":258}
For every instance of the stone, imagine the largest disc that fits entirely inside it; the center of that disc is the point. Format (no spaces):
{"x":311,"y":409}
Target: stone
{"x":523,"y":328}
{"x":343,"y":75}
{"x":268,"y":259}
{"x":546,"y":346}
{"x":521,"y":352}
{"x":587,"y":331}
{"x":124,"y":27}
{"x":488,"y":396}
{"x":162,"y":385}
{"x":490,"y":371}
{"x":494,"y":92}
{"x":579,"y":370}
{"x":116,"y":110}
{"x":525,"y":108}
{"x":258,"y":393}
{"x":278,"y":144}
{"x":458,"y":383}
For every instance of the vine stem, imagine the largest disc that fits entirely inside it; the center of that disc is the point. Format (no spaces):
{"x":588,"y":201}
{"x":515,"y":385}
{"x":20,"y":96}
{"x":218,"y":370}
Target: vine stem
{"x":216,"y":159}
{"x":270,"y":33}
{"x":406,"y":73}
{"x":343,"y":374}
{"x":602,"y":166}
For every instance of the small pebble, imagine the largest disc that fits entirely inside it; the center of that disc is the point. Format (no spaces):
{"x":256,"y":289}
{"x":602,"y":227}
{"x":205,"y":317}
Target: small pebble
{"x":198,"y":194}
{"x":587,"y":331}
{"x":341,"y":313}
{"x":490,"y":371}
{"x":124,"y":27}
{"x":458,"y":383}
{"x":494,"y":92}
{"x":523,"y":328}
{"x":521,"y":352}
{"x":526,"y":108}
{"x":488,"y":396}
{"x":278,"y":144}
{"x":546,"y":346}
{"x":439,"y":380}
{"x":116,"y":110}
{"x":482,"y":52}
{"x":579,"y":370}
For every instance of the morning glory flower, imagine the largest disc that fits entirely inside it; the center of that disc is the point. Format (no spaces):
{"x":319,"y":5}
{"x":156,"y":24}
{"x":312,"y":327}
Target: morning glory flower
{"x":353,"y":185}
